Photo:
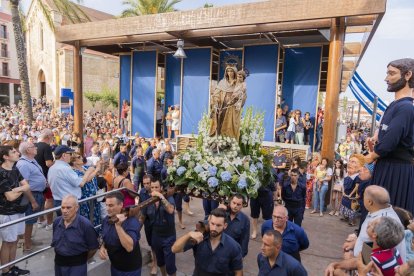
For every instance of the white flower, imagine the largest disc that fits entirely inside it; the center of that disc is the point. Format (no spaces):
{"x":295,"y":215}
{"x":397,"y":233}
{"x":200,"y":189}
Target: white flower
{"x":186,"y":157}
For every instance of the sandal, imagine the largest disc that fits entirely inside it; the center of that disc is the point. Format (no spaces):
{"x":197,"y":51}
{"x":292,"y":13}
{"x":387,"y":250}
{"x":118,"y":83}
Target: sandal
{"x":331,"y":213}
{"x":313,"y":211}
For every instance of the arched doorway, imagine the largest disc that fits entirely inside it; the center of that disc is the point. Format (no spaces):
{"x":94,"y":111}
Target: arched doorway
{"x":42,"y":82}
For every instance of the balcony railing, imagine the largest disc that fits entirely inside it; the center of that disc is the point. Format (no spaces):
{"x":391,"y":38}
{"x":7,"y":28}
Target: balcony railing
{"x":88,"y":200}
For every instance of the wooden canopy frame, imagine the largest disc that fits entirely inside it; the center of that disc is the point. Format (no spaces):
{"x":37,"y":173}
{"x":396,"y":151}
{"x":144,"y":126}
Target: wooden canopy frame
{"x":271,"y":20}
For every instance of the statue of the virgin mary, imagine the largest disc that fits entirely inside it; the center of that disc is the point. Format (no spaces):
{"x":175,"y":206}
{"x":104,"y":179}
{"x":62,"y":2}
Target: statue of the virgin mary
{"x":226,"y":104}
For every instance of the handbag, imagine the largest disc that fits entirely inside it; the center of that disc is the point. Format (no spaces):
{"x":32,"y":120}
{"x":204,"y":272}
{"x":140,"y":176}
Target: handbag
{"x":355,"y":204}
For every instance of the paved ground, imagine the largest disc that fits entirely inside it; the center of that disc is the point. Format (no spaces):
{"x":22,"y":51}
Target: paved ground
{"x":325,"y":234}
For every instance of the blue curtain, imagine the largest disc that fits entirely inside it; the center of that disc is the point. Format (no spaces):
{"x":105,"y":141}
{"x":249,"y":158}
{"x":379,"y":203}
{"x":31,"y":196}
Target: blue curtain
{"x":172,"y":83}
{"x":143,"y":92}
{"x":230,"y":56}
{"x":196,"y":85}
{"x":261,"y":62}
{"x":301,"y":80}
{"x":124,"y":81}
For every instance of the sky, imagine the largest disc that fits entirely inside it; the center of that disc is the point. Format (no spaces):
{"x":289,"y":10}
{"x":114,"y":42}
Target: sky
{"x":393,"y":39}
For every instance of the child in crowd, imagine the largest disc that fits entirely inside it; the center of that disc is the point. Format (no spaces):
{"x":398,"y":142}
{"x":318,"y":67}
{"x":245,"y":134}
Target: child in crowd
{"x":290,"y":133}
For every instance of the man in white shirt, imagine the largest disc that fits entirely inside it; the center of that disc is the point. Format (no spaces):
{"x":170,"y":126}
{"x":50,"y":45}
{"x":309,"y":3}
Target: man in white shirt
{"x":377,"y":202}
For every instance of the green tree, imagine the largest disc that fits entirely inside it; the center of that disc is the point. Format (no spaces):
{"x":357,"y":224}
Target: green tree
{"x":208,"y":5}
{"x":141,"y":7}
{"x":68,"y":9}
{"x":110,"y":97}
{"x":93,"y":97}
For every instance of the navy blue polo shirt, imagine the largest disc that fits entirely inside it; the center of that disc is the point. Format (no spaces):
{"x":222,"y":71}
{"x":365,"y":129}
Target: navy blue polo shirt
{"x":154,"y":167}
{"x":278,"y":160}
{"x":131,"y":226}
{"x":302,"y":179}
{"x":163,"y":223}
{"x":120,"y":158}
{"x":296,"y":198}
{"x":79,"y":237}
{"x":285,"y":265}
{"x":224,"y":260}
{"x":148,"y":152}
{"x":239,"y":230}
{"x":294,"y":237}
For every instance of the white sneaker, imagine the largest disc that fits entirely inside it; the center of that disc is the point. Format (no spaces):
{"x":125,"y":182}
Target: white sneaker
{"x":49,"y":227}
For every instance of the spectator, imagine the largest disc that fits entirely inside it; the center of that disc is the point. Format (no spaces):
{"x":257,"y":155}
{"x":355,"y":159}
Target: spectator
{"x":63,"y":180}
{"x":386,"y":233}
{"x":13,"y":187}
{"x":321,"y":185}
{"x":122,"y":181}
{"x":89,"y":189}
{"x":337,"y":186}
{"x":33,"y":173}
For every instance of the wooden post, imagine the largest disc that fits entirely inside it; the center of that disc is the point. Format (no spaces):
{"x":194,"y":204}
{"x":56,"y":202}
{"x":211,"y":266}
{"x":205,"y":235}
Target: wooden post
{"x":77,"y":93}
{"x":333,"y":87}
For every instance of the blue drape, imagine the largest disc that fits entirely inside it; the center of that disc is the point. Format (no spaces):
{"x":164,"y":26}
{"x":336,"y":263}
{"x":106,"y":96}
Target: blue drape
{"x":229,"y":55}
{"x":301,"y":80}
{"x":172,"y":83}
{"x":261,"y":62}
{"x":143,"y":92}
{"x":196,"y":86}
{"x":124,"y":80}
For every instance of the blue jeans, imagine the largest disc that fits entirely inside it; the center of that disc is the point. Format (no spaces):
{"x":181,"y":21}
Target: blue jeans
{"x":319,"y":197}
{"x":57,"y":203}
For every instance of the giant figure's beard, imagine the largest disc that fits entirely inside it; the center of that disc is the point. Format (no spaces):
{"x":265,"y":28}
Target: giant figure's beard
{"x":397,"y":86}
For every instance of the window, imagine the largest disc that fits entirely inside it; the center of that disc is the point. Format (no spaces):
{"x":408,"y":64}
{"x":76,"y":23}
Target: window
{"x":3,"y":31}
{"x":41,"y":37}
{"x":5,"y":69}
{"x":4,"y":52}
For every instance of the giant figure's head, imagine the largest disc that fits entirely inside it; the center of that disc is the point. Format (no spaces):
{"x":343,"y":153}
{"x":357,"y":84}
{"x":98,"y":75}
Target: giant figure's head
{"x":400,"y":72}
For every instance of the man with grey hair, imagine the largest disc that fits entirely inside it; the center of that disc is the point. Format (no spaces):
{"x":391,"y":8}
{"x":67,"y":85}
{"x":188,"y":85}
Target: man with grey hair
{"x":75,"y":240}
{"x":44,"y":158}
{"x":377,"y":202}
{"x":386,"y":233}
{"x":294,"y":236}
{"x":33,"y":173}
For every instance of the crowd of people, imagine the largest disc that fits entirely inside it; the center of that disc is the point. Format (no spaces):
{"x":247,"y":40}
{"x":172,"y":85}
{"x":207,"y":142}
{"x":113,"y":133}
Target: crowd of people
{"x":42,"y":167}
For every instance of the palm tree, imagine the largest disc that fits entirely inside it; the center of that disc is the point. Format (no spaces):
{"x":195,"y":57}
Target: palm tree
{"x":141,"y":7}
{"x":67,"y":8}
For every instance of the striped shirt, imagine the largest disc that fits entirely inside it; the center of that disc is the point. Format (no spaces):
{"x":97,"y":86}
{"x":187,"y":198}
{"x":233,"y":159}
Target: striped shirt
{"x":386,"y":260}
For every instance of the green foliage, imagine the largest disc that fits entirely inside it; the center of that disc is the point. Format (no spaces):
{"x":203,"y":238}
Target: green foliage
{"x":108,"y":97}
{"x":208,"y":5}
{"x":142,"y":7}
{"x":92,"y":97}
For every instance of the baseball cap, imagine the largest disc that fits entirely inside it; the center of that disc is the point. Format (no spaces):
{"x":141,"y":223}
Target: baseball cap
{"x":62,"y":149}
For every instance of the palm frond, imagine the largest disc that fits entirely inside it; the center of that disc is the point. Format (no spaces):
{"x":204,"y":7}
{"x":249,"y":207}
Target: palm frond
{"x":72,"y":11}
{"x":46,"y":12}
{"x":22,"y":19}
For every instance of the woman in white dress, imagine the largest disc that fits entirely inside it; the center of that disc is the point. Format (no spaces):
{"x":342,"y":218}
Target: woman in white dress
{"x":175,"y":127}
{"x":168,"y":120}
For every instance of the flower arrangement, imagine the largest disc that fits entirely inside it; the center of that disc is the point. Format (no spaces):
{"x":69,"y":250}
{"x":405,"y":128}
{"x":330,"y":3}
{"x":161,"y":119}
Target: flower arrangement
{"x":220,"y":166}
